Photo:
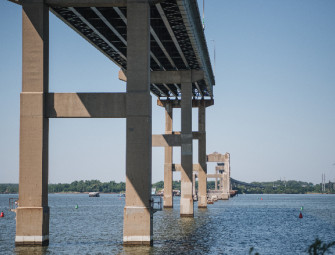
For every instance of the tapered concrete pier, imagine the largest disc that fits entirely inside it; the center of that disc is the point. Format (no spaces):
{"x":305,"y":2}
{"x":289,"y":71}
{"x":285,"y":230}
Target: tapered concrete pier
{"x":32,"y":219}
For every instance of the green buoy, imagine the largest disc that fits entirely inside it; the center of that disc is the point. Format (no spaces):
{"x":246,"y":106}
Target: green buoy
{"x":76,"y":207}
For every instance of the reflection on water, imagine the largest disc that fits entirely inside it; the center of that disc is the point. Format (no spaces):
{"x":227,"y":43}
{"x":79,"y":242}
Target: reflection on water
{"x":270,"y":225}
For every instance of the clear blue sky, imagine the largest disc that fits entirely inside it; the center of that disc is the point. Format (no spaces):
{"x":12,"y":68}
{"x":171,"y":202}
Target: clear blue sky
{"x":274,"y":96}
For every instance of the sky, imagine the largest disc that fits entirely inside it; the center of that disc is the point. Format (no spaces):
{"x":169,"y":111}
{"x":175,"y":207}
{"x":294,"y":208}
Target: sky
{"x":274,"y":108}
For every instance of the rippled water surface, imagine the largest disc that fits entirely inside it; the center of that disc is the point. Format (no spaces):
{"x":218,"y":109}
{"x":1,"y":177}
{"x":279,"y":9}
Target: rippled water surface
{"x":269,"y":223}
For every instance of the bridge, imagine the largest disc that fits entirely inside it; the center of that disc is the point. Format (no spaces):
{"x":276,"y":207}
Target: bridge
{"x":235,"y":183}
{"x":160,"y":48}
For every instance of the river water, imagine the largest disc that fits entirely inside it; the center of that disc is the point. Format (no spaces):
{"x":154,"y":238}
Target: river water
{"x":269,"y":223}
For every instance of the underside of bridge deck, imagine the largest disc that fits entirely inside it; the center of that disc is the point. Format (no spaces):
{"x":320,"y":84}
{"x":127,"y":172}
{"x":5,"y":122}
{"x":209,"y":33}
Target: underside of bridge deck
{"x":161,"y":49}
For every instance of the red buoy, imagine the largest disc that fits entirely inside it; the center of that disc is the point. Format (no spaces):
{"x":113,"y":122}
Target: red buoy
{"x":300,"y":215}
{"x":2,"y":215}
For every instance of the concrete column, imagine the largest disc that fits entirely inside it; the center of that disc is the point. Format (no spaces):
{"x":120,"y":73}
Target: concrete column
{"x":216,"y":181}
{"x":227,"y":171}
{"x":168,"y":174}
{"x":221,"y":183}
{"x":194,"y":191}
{"x":32,"y":218}
{"x":186,"y":199}
{"x":137,"y":228}
{"x":202,"y":158}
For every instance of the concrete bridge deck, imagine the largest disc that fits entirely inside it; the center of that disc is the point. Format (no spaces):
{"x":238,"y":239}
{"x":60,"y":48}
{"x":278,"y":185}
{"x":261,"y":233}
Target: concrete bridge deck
{"x":177,"y":40}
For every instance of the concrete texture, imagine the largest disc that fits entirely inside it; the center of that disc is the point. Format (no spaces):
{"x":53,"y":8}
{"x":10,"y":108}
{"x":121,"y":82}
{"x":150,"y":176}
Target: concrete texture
{"x":186,"y":199}
{"x":86,"y":105}
{"x":168,"y":158}
{"x":202,"y":172}
{"x":137,"y":228}
{"x":176,"y":76}
{"x":167,"y":140}
{"x":178,"y":168}
{"x":32,"y":219}
{"x":216,"y":157}
{"x":222,"y":172}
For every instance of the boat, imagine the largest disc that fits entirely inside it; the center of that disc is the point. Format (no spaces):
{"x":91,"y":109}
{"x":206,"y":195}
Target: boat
{"x":94,"y":194}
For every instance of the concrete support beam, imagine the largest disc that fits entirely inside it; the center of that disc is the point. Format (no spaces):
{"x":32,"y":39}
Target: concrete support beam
{"x":197,"y":135}
{"x":209,"y":176}
{"x":186,"y":199}
{"x":176,"y":103}
{"x":32,"y":217}
{"x":122,"y":75}
{"x":137,"y":227}
{"x":168,"y":150}
{"x":202,"y":173}
{"x":171,"y":77}
{"x":86,"y":105}
{"x":219,"y":168}
{"x":167,"y":140}
{"x":177,"y":167}
{"x":216,"y":157}
{"x":173,"y":139}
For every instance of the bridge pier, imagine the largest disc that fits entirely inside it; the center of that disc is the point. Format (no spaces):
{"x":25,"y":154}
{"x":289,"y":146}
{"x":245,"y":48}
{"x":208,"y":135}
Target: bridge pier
{"x":222,"y":171}
{"x":202,"y":157}
{"x":138,"y":225}
{"x":168,"y":150}
{"x":171,"y":139}
{"x":32,"y":219}
{"x":132,"y":54}
{"x":186,"y":199}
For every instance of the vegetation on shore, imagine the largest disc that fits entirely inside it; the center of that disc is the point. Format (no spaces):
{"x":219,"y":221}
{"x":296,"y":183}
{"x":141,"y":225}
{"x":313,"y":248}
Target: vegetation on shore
{"x":284,"y":187}
{"x":276,"y":187}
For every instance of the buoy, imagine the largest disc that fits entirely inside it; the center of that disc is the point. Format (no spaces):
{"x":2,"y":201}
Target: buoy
{"x":76,"y":207}
{"x":300,"y":215}
{"x":2,"y":215}
{"x":302,"y":208}
{"x":261,"y":198}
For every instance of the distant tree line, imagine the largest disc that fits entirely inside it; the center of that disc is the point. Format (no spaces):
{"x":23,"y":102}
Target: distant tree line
{"x":276,"y":187}
{"x":88,"y":186}
{"x":284,"y":187}
{"x":9,"y":188}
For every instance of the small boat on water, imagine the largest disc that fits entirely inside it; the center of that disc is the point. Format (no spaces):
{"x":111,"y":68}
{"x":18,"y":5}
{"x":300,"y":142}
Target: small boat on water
{"x":94,"y":194}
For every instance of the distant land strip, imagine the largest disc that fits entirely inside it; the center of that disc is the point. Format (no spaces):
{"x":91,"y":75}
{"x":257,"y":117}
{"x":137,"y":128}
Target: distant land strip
{"x":275,"y":187}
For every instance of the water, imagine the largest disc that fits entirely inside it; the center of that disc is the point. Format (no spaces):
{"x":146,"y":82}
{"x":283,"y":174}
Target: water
{"x":270,"y":225}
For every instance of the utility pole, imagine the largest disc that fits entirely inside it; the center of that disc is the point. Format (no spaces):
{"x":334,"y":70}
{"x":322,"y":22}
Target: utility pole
{"x":323,"y":185}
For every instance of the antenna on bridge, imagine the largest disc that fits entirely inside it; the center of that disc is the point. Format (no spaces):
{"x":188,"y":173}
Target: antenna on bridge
{"x":214,"y":55}
{"x":203,"y":14}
